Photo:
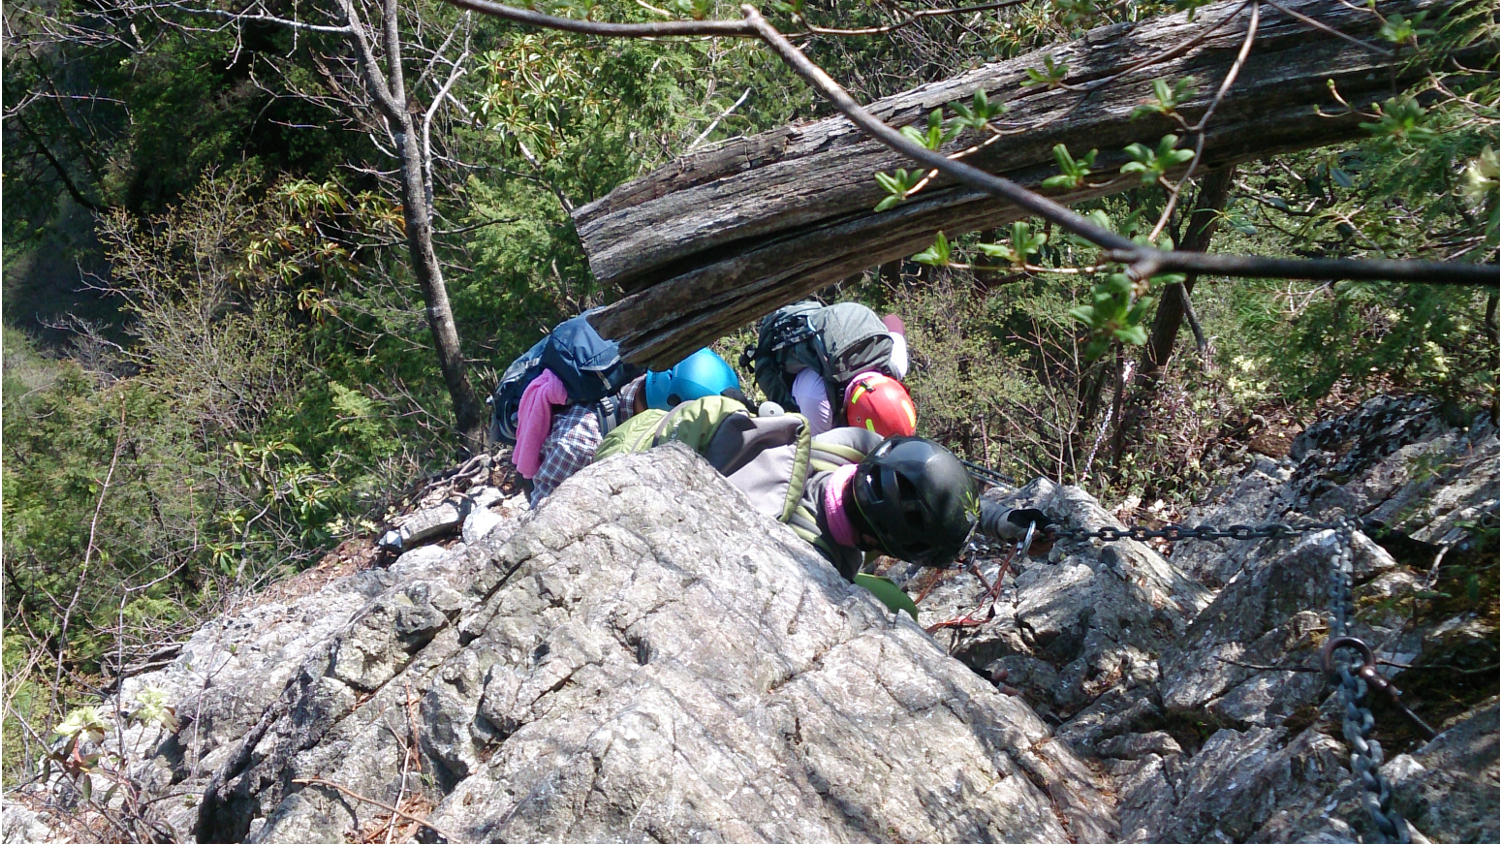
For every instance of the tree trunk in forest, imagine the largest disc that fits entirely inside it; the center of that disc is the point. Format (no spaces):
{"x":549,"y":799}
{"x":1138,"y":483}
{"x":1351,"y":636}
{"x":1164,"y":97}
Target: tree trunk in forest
{"x":1492,"y":331}
{"x":1176,"y":304}
{"x":388,"y":90}
{"x":726,"y":234}
{"x":468,"y":409}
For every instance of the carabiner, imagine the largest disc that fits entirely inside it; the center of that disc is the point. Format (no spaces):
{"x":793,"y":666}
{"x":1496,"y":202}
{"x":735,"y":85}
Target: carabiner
{"x":1025,"y":544}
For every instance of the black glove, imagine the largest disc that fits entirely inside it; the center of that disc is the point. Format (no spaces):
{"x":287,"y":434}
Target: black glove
{"x":738,"y":395}
{"x":1010,"y":524}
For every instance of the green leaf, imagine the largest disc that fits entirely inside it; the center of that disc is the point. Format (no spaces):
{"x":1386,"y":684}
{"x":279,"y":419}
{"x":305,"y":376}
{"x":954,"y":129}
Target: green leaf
{"x":888,"y":593}
{"x":1168,"y":97}
{"x":1400,"y":119}
{"x":1084,"y":314}
{"x":936,"y":255}
{"x":1240,"y":223}
{"x":915,"y":135}
{"x":1399,"y":30}
{"x":1074,"y":171}
{"x":83,"y":722}
{"x":999,"y":250}
{"x":1051,"y":74}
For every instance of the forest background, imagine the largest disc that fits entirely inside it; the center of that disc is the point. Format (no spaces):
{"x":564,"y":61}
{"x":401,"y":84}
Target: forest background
{"x":218,"y":364}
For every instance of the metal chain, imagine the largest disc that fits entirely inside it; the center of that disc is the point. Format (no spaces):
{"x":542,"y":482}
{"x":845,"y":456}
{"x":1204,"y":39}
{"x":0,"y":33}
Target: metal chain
{"x":1174,"y":533}
{"x":1365,"y":754}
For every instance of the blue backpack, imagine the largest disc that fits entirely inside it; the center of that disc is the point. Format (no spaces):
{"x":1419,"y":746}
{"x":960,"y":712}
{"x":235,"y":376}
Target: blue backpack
{"x":589,"y":366}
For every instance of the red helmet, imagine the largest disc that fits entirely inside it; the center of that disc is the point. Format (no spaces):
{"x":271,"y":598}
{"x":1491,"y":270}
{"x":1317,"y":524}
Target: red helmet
{"x":881,"y":404}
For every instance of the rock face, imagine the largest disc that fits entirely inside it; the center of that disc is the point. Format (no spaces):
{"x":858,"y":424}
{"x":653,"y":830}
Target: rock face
{"x":1191,"y":682}
{"x":644,"y":658}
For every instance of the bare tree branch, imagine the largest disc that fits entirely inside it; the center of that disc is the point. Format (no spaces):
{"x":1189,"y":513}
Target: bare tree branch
{"x":238,"y":17}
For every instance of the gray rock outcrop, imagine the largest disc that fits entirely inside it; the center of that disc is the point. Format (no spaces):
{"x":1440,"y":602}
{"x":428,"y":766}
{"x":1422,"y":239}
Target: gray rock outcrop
{"x":643,"y":658}
{"x":1192,"y":681}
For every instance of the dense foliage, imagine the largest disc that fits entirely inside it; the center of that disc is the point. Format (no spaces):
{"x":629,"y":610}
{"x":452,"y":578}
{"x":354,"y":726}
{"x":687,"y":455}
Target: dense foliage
{"x":217,"y":366}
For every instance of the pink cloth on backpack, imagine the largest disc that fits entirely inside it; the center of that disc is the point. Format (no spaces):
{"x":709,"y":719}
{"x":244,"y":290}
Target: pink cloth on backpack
{"x":839,"y":525}
{"x":534,"y":421}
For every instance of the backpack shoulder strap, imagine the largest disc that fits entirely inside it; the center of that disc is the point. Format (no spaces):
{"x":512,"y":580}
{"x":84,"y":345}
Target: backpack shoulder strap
{"x":607,"y":410}
{"x":842,"y":446}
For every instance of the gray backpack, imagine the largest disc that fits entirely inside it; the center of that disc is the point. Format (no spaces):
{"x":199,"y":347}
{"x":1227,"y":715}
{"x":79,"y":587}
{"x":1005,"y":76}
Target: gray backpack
{"x":838,"y":341}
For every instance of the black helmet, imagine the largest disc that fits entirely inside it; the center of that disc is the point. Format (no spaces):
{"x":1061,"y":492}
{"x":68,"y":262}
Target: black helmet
{"x":917,"y":499}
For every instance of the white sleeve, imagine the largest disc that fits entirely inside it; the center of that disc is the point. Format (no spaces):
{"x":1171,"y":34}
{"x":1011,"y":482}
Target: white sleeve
{"x":811,"y":397}
{"x":899,"y":362}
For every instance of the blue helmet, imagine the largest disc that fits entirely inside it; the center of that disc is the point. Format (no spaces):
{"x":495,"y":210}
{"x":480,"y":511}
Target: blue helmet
{"x":702,"y":374}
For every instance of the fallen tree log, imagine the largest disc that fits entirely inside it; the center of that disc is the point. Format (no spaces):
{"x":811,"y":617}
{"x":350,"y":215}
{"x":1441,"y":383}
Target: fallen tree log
{"x":721,"y":236}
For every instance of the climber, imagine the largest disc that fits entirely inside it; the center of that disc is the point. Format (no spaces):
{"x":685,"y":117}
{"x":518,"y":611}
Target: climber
{"x":551,"y":447}
{"x":836,"y":365}
{"x":846,"y":492}
{"x":570,"y":438}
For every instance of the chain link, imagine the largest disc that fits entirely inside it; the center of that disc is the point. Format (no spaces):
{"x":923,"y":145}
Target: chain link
{"x":1365,"y":754}
{"x":1175,"y":533}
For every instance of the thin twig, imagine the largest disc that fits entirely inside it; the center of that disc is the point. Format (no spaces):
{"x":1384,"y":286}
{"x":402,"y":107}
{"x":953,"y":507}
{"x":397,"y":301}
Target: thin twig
{"x":1317,"y":24}
{"x":1201,"y":127}
{"x":715,"y":124}
{"x":908,"y":20}
{"x":1264,"y":667}
{"x":1172,"y":53}
{"x":88,"y":551}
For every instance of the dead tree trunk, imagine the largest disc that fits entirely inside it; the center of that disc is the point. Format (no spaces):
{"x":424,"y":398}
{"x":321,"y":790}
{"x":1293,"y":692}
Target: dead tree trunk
{"x":1175,"y":301}
{"x":724,"y":235}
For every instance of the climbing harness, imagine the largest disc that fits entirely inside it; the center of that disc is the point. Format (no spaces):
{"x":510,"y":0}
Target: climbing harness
{"x":1353,"y":679}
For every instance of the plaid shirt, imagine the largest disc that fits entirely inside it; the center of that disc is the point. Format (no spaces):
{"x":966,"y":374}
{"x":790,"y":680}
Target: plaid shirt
{"x":574,"y":438}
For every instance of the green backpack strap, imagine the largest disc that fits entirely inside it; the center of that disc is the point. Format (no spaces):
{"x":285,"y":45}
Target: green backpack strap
{"x":888,"y":593}
{"x":842,"y":446}
{"x":632,"y":435}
